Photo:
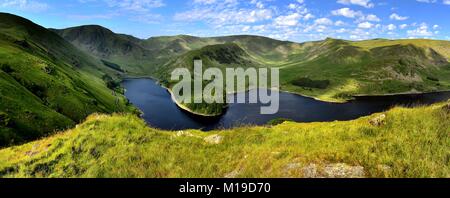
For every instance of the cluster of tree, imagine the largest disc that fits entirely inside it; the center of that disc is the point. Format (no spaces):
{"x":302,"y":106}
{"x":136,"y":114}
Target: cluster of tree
{"x":112,"y":65}
{"x":206,"y":108}
{"x":4,"y":119}
{"x":278,"y":121}
{"x":6,"y":68}
{"x":309,"y":83}
{"x":433,"y":79}
{"x":110,"y":82}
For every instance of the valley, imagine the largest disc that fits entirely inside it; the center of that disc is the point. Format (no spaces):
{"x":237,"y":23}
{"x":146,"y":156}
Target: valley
{"x":399,"y":143}
{"x":347,"y":68}
{"x":75,"y":102}
{"x":59,"y":77}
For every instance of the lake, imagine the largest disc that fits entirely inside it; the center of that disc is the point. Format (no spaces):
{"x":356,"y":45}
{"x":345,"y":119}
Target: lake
{"x":161,"y":112}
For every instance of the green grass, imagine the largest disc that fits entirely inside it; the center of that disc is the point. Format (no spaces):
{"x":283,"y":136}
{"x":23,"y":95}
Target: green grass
{"x":46,"y":84}
{"x":411,"y":143}
{"x":371,"y":67}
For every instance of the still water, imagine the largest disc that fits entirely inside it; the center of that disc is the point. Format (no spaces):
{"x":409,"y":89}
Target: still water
{"x":161,"y":112}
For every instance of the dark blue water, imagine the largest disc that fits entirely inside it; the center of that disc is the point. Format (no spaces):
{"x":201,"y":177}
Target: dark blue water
{"x":160,"y":111}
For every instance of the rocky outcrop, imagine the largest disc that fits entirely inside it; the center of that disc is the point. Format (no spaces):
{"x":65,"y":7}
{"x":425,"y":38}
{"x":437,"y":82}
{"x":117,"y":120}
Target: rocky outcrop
{"x":378,"y":120}
{"x":446,"y":108}
{"x":213,"y":139}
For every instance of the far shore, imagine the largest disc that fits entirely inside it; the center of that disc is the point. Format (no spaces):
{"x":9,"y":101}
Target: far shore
{"x":187,"y":109}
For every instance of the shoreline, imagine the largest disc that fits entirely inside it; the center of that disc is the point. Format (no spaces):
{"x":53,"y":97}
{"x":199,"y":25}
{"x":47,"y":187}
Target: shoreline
{"x":399,"y":94}
{"x":188,"y":110}
{"x":185,"y":108}
{"x":179,"y":105}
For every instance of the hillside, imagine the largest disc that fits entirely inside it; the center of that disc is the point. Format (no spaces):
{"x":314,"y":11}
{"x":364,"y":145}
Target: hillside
{"x":398,"y":143}
{"x":145,"y":57}
{"x":368,"y":68}
{"x":47,"y":84}
{"x":329,"y":70}
{"x":220,"y":56}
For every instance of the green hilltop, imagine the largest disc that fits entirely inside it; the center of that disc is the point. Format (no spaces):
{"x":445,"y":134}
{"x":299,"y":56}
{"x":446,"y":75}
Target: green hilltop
{"x":372,"y":67}
{"x":68,"y":80}
{"x":412,"y":143}
{"x":46,"y":83}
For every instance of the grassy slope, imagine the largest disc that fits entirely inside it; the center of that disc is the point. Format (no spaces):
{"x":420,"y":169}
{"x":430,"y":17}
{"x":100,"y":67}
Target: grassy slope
{"x":46,"y":84}
{"x":221,"y":56}
{"x":123,"y":50}
{"x":411,"y":143}
{"x":370,"y":67}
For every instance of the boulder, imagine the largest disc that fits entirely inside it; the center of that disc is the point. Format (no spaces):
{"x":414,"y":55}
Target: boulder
{"x":342,"y":170}
{"x":446,"y":108}
{"x":213,"y":139}
{"x":233,"y":174}
{"x":310,"y":171}
{"x":378,"y":120}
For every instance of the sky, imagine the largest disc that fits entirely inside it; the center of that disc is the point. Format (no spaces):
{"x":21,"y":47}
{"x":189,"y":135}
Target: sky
{"x":294,"y":20}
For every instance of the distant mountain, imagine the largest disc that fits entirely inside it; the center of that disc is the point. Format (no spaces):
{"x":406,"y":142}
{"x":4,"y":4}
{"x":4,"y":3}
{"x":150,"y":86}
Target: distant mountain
{"x":330,"y":70}
{"x":368,"y":67}
{"x":411,"y":142}
{"x":146,"y":56}
{"x":46,"y":83}
{"x":218,"y":55}
{"x":342,"y":68}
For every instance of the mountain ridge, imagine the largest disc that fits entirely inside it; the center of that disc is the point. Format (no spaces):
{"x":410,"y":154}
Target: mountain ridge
{"x":46,"y":83}
{"x":351,"y":67}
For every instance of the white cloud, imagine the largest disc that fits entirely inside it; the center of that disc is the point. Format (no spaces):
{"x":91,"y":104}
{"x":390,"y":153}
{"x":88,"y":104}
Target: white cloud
{"x":346,"y":12}
{"x":391,"y":27}
{"x":25,"y":5}
{"x":135,"y":5}
{"x":365,"y":25}
{"x":364,"y":3}
{"x":339,"y":23}
{"x":397,"y":17}
{"x":206,"y":2}
{"x":220,"y":16}
{"x":308,"y":16}
{"x":288,"y":20}
{"x":342,"y":30}
{"x":426,"y":1}
{"x":323,"y":21}
{"x":446,"y":2}
{"x":421,"y":31}
{"x":372,"y":17}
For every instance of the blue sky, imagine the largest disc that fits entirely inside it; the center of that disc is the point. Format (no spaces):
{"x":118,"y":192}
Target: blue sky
{"x":295,"y":20}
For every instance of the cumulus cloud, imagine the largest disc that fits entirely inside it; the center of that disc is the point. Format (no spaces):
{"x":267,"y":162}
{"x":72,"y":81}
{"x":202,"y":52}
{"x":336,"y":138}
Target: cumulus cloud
{"x":323,"y":21}
{"x":135,"y":5}
{"x":346,"y":12}
{"x":288,"y":20}
{"x":426,"y":1}
{"x":25,"y":5}
{"x":397,"y":17}
{"x":365,"y":25}
{"x":364,"y":3}
{"x":372,"y":17}
{"x":421,"y":31}
{"x":291,"y":20}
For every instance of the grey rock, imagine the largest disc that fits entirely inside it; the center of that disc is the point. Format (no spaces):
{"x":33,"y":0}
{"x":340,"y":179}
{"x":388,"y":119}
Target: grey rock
{"x":213,"y":139}
{"x":378,"y":120}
